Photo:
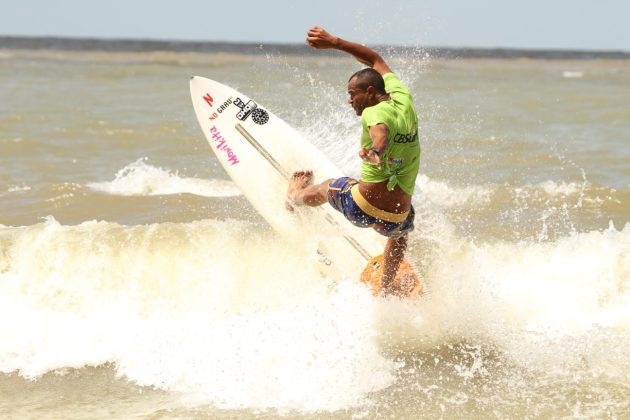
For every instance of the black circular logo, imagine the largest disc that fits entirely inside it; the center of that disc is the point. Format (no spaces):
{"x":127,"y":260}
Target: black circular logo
{"x":260,"y":116}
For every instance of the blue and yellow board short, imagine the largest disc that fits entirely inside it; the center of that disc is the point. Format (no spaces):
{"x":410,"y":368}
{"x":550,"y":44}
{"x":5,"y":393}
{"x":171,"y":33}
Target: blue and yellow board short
{"x":344,"y":196}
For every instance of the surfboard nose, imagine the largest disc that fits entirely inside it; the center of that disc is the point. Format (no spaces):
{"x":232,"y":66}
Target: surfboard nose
{"x":194,"y":82}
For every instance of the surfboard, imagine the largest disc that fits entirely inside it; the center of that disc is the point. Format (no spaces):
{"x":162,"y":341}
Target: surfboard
{"x":259,"y":151}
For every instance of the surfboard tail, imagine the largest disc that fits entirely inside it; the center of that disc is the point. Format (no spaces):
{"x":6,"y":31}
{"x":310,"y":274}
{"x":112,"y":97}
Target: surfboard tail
{"x":407,"y":282}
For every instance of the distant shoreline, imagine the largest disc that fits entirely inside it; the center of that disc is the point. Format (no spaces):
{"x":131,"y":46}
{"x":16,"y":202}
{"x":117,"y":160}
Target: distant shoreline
{"x":138,"y":45}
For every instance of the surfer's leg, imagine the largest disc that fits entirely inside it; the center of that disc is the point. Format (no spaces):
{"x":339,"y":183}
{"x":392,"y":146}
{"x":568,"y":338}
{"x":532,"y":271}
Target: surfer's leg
{"x":392,"y":257}
{"x":302,"y":191}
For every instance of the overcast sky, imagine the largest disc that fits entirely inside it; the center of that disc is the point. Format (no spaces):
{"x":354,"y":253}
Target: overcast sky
{"x":547,"y":24}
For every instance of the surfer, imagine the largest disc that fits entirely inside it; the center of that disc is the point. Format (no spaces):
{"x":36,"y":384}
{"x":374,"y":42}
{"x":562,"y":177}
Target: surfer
{"x":390,"y":151}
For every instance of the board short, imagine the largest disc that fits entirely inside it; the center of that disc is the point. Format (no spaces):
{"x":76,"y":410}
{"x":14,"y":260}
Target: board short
{"x":344,"y":196}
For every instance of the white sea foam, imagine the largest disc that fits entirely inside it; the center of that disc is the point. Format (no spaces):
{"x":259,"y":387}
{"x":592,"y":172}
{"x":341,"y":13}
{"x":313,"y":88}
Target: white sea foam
{"x":561,"y":188}
{"x":212,"y":310}
{"x":567,"y":74}
{"x":140,"y":178}
{"x":15,"y":189}
{"x":18,"y":188}
{"x":535,"y":301}
{"x":444,"y":195}
{"x":227,"y":315}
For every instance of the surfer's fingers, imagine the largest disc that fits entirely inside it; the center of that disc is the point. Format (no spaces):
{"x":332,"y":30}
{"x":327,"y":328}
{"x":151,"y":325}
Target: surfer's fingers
{"x":312,"y":40}
{"x":312,"y":33}
{"x":315,"y":29}
{"x":318,"y":37}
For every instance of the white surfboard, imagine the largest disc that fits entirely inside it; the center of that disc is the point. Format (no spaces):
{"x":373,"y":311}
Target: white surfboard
{"x":259,"y":151}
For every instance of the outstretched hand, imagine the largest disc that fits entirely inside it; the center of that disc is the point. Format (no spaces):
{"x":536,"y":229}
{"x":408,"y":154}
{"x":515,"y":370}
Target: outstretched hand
{"x":318,"y":38}
{"x":370,"y":156}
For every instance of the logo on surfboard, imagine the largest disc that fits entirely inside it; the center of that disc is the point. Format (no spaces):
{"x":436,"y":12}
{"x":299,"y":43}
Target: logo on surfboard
{"x":209,"y":99}
{"x":259,"y":116}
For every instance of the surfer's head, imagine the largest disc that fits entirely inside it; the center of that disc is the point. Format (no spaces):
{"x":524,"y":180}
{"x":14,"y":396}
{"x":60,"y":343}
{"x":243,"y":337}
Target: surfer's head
{"x":366,"y":88}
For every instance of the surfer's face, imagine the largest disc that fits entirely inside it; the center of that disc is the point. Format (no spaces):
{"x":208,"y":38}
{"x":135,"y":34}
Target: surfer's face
{"x":359,"y":98}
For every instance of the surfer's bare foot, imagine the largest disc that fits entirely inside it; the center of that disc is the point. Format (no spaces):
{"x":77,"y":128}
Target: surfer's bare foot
{"x":297,"y":182}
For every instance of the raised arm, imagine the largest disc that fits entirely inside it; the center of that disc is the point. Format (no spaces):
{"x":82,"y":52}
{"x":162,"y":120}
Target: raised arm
{"x":318,"y":38}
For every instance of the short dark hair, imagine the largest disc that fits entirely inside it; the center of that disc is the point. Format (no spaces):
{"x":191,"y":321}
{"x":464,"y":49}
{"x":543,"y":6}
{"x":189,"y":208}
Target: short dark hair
{"x":369,"y":77}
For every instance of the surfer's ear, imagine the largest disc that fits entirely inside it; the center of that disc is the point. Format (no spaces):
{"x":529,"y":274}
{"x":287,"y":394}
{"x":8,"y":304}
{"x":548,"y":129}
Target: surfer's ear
{"x":370,"y":92}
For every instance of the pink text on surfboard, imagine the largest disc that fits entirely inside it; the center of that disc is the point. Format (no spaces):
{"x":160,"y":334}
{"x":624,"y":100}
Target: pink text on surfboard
{"x":222,"y":145}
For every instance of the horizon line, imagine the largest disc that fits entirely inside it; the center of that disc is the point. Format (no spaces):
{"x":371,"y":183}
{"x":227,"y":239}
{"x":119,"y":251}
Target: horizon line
{"x":72,"y":44}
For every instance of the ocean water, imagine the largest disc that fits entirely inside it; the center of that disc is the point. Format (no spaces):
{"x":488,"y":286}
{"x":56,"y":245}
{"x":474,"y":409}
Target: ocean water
{"x":137,"y":282}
